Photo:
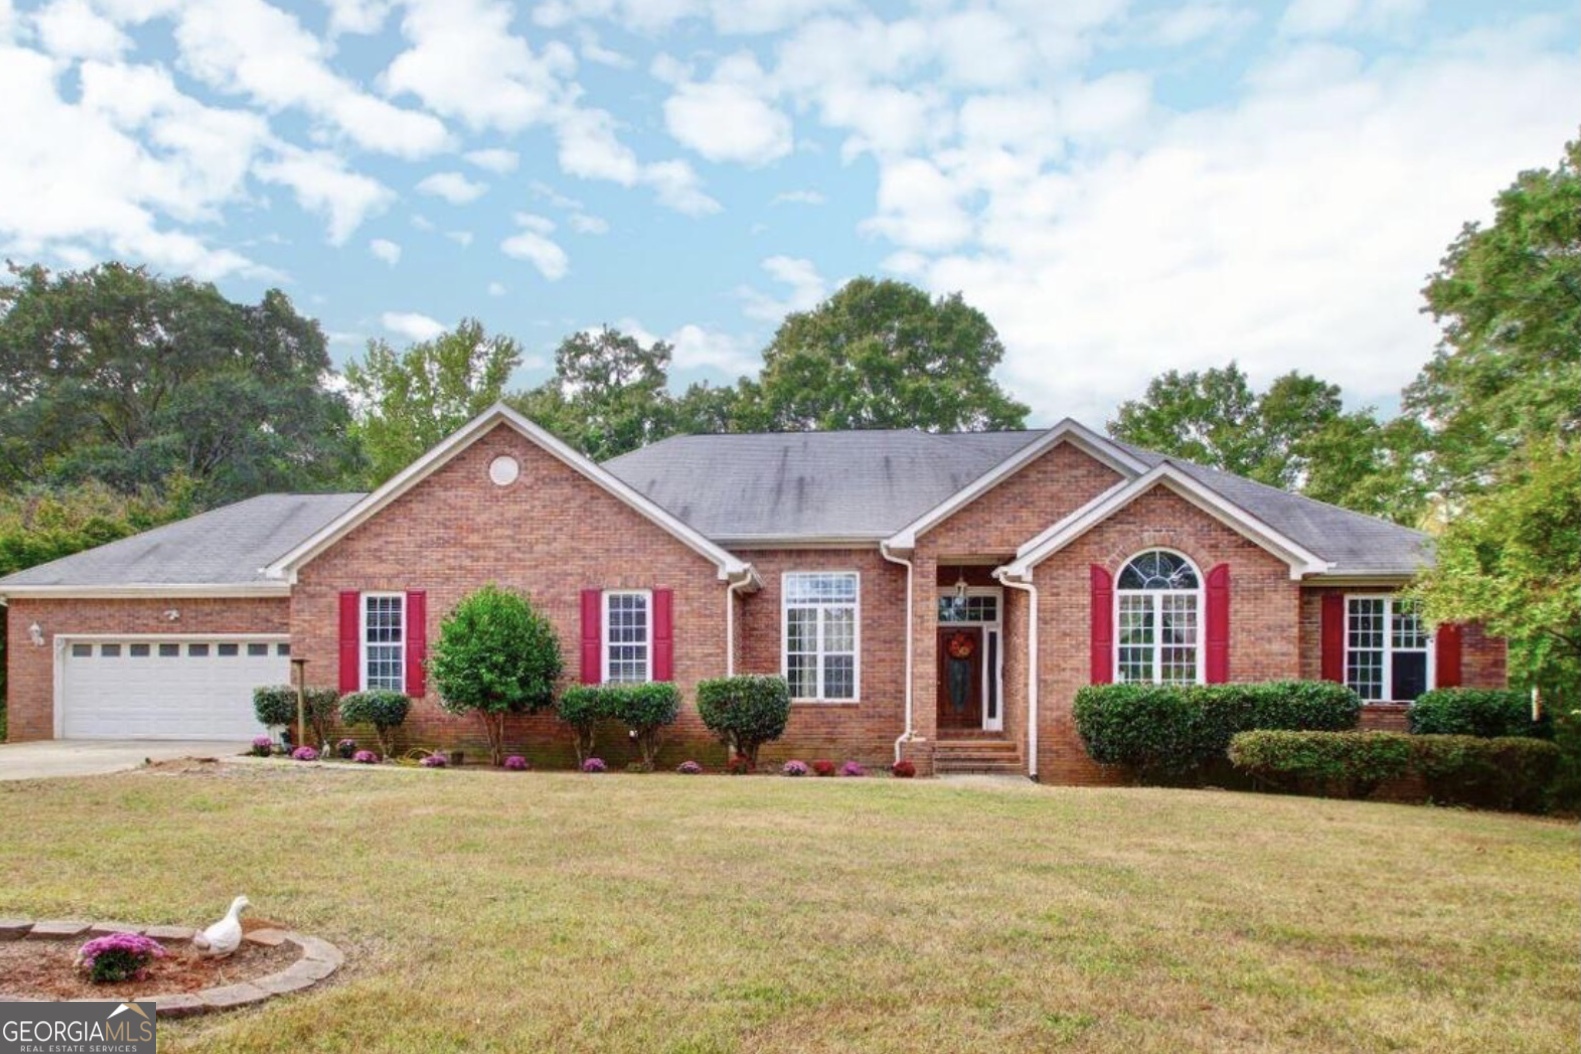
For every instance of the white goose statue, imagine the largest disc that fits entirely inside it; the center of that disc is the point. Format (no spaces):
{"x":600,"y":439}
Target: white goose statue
{"x":225,"y":936}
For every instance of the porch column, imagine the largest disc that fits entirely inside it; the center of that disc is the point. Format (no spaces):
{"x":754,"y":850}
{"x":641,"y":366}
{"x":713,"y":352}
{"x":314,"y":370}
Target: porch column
{"x":924,"y":646}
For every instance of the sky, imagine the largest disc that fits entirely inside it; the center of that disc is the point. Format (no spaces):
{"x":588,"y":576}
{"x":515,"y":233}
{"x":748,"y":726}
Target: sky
{"x":1122,"y":187}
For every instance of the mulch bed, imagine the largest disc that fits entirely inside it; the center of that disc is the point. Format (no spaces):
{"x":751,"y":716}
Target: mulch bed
{"x":44,"y":970}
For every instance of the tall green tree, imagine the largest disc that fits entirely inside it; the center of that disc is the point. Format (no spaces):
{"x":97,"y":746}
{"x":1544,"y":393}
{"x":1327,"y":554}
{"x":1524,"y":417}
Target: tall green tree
{"x":119,"y":375}
{"x":407,"y":401}
{"x":882,"y":354}
{"x":1508,"y":298}
{"x":608,"y":394}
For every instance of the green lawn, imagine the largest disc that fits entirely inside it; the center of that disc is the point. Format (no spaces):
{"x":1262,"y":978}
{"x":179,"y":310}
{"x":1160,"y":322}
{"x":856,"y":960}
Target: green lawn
{"x":661,"y":913}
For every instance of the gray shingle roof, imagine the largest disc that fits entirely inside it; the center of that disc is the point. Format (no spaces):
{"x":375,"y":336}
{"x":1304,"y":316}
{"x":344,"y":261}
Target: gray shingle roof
{"x":859,"y":484}
{"x":224,"y":546}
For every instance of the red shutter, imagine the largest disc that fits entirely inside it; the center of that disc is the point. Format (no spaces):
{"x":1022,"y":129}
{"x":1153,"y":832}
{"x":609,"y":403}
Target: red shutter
{"x":1448,"y":656}
{"x":663,"y":635}
{"x":1102,"y":671}
{"x":350,"y":642}
{"x":1333,"y":636}
{"x":592,"y":636}
{"x":416,"y":643}
{"x":1218,"y":665}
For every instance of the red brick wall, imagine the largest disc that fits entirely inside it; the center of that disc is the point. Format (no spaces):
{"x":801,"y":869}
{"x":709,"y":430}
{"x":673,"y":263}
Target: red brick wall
{"x":1264,"y":605}
{"x":30,"y":686}
{"x":550,"y":534}
{"x":865,"y":730}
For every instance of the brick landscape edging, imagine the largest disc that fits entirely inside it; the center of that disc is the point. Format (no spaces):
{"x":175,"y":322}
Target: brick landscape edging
{"x":319,"y":959}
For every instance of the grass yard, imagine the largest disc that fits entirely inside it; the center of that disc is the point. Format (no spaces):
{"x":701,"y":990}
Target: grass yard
{"x":669,"y":914}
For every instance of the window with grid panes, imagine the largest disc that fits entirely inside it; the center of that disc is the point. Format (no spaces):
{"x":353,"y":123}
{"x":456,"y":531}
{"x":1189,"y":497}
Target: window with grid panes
{"x":628,"y":637}
{"x":1158,"y":600}
{"x":384,"y":641}
{"x":1386,"y":649}
{"x":820,"y":645}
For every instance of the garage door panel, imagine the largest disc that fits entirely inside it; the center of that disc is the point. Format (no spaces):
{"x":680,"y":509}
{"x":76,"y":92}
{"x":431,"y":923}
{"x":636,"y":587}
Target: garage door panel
{"x":170,"y":689}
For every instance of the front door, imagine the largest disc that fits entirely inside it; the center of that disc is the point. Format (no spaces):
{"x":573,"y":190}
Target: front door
{"x":961,"y":677}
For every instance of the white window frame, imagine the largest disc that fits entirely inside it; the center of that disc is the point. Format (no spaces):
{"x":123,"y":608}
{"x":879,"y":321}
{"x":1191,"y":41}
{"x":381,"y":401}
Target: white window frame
{"x":362,"y":636}
{"x":1430,"y":650}
{"x":605,"y":642}
{"x":1199,"y":675}
{"x":856,"y":634}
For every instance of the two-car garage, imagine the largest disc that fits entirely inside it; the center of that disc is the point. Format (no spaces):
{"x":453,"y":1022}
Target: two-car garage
{"x":147,"y":687}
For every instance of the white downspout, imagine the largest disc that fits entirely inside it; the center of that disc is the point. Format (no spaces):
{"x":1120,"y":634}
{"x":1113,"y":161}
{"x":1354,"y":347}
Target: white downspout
{"x":883,"y":550}
{"x":730,"y":621}
{"x":1032,"y":667}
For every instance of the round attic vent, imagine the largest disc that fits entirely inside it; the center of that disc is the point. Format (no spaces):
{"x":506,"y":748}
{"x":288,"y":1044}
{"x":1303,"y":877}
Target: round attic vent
{"x":504,"y":469}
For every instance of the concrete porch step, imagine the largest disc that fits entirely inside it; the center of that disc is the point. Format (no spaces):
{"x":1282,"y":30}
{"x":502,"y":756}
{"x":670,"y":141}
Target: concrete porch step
{"x":974,"y":755}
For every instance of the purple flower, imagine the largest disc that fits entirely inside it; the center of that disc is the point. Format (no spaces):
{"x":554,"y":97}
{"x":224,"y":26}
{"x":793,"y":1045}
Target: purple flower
{"x":594,"y":765}
{"x":433,"y":761}
{"x":263,"y":746}
{"x":690,"y":768}
{"x":304,"y":754}
{"x":365,"y":757}
{"x":119,"y":956}
{"x":851,"y":768}
{"x":795,"y":768}
{"x":517,"y":763}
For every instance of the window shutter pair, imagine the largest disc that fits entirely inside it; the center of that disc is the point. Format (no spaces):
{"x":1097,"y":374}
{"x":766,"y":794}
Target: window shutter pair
{"x":663,"y":616}
{"x":1448,"y":669}
{"x":1216,"y":620}
{"x":414,"y":628}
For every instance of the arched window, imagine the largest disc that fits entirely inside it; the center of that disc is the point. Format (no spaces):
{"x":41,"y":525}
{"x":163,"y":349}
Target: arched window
{"x":1159,"y":608}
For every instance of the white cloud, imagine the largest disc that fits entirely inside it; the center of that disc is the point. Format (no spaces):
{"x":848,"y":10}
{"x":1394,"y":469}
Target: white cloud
{"x":322,"y":183}
{"x":584,"y":223}
{"x":1177,"y":26}
{"x":248,"y":47}
{"x":411,"y":325}
{"x":799,"y":197}
{"x":386,"y":250}
{"x":678,"y":188}
{"x":807,"y":288}
{"x":461,"y":238}
{"x":494,"y":159}
{"x":357,"y":16}
{"x":729,"y":118}
{"x":453,"y":187}
{"x":496,"y":289}
{"x":919,"y":207}
{"x":533,"y":244}
{"x":697,"y":347}
{"x":591,"y":50}
{"x":1325,"y":17}
{"x":70,"y":29}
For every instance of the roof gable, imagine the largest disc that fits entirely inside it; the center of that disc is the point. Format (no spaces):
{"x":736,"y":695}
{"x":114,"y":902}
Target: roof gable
{"x":497,"y":416}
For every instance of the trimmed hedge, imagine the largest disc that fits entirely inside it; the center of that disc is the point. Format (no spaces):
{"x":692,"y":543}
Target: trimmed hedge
{"x":745,"y":711}
{"x":275,"y":706}
{"x":1511,"y":773}
{"x":1173,"y":732}
{"x":1341,"y":764}
{"x":644,"y":708}
{"x":583,"y":706}
{"x":382,"y":708}
{"x":1486,"y":712}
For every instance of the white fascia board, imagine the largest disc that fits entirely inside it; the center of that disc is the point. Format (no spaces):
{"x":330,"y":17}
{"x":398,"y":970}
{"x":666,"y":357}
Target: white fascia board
{"x":145,"y":590}
{"x":286,"y":566}
{"x":1073,"y":432}
{"x":1301,"y":561}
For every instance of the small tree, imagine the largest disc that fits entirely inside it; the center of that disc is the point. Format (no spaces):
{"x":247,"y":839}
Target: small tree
{"x":382,"y":708}
{"x":646,"y":709}
{"x":275,"y":706}
{"x":583,"y":706}
{"x":745,"y":712}
{"x":495,"y":656}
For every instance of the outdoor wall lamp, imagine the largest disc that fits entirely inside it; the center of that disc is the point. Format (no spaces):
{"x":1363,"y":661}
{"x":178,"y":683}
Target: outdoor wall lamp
{"x":35,"y":633}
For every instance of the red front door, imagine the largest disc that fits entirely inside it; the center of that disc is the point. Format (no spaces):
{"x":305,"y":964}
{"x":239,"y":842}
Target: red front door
{"x":961,"y":677}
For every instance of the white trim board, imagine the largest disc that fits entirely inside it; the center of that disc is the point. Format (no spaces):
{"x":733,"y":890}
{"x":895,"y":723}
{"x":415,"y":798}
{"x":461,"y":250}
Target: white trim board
{"x":499,"y":414}
{"x":1298,"y":558}
{"x":1078,"y":435}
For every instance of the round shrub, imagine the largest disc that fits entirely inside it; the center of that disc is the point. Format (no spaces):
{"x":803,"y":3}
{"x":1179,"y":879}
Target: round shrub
{"x":594,"y":765}
{"x":434,"y":761}
{"x":275,"y":706}
{"x":851,"y":768}
{"x":794,"y":768}
{"x":646,"y":709}
{"x":516,"y":763}
{"x":689,"y":768}
{"x":262,"y":747}
{"x":304,"y":754}
{"x":1343,"y":764}
{"x":118,"y":957}
{"x":903,"y":769}
{"x":824,"y":767}
{"x":745,"y":712}
{"x":583,"y":706}
{"x":1486,"y":712}
{"x":365,"y":757}
{"x":382,"y":708}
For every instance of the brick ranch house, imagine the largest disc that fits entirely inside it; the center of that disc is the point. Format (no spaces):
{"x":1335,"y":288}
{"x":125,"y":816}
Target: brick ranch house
{"x":939,"y":597}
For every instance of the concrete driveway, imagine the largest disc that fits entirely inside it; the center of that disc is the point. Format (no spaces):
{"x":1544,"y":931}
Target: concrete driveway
{"x":90,"y":757}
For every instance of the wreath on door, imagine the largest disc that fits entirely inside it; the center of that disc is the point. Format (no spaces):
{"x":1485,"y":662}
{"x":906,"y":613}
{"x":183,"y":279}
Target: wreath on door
{"x":961,"y":646}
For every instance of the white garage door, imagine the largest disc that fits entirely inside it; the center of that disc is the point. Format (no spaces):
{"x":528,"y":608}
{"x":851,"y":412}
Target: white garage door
{"x":167,"y":689}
